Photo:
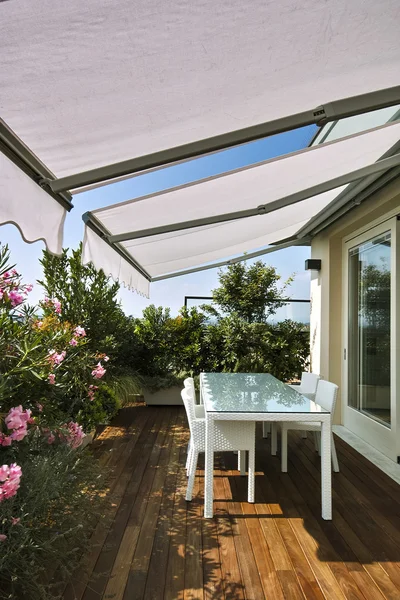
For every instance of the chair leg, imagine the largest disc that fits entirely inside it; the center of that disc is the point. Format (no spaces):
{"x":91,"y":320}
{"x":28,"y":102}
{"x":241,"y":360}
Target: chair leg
{"x":274,"y":438}
{"x":284,"y":449}
{"x":266,"y":428}
{"x":192,"y":475}
{"x":190,"y":458}
{"x":251,"y":476}
{"x":319,"y":441}
{"x":189,"y":451}
{"x":316,"y":442}
{"x":242,"y":462}
{"x":335,"y":461}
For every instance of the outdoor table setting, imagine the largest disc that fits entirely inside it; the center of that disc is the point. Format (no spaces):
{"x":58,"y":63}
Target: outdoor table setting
{"x":260,"y":397}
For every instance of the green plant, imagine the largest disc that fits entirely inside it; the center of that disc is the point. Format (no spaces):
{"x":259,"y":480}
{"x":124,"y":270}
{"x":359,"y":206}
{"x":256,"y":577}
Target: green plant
{"x":103,"y":405}
{"x":47,"y":524}
{"x":126,"y":387}
{"x":249,"y":291}
{"x":89,"y":297}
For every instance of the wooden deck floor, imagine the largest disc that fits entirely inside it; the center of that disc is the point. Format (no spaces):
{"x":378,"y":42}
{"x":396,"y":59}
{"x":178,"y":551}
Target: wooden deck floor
{"x":157,"y":546}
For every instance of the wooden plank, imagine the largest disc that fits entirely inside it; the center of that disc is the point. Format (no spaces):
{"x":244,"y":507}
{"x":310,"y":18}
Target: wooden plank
{"x":117,"y":485}
{"x":266,"y":568}
{"x":157,"y":568}
{"x":175,"y":576}
{"x":135,"y":503}
{"x":137,"y":467}
{"x":302,"y":478}
{"x":248,"y":567}
{"x":136,"y":582}
{"x":364,"y":521}
{"x":231,"y":575}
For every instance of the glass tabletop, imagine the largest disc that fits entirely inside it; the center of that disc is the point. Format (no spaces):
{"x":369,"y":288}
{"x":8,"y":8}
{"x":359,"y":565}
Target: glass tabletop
{"x":252,"y":392}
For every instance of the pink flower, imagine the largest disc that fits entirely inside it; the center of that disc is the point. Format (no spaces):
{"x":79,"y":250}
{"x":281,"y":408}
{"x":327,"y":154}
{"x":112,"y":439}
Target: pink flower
{"x":54,"y":358}
{"x":17,"y":417}
{"x":2,"y":537}
{"x":19,"y":434}
{"x":79,"y":332}
{"x":15,"y":298}
{"x":51,"y":438}
{"x":5,"y":440}
{"x":73,"y":342}
{"x":39,"y":324}
{"x":29,"y":287}
{"x":39,"y":406}
{"x":52,"y":378}
{"x":106,"y":358}
{"x":10,"y":476}
{"x":4,"y":472}
{"x":98,"y":372}
{"x":73,"y":435}
{"x":54,"y":304}
{"x":15,"y":520}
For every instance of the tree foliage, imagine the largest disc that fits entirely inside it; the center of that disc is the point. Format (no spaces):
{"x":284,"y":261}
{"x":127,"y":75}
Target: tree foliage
{"x":89,"y":297}
{"x":250,"y":291}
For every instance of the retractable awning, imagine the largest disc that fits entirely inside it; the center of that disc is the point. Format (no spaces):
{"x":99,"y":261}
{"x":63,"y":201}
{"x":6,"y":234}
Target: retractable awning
{"x":23,"y":203}
{"x":268,"y":203}
{"x":89,"y":84}
{"x":99,"y":90}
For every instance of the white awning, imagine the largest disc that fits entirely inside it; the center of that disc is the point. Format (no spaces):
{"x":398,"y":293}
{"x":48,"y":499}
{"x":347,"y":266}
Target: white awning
{"x":202,"y":222}
{"x":87,"y":84}
{"x":23,"y":203}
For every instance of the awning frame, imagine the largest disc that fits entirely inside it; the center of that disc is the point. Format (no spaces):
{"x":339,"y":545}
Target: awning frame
{"x":263,"y":209}
{"x":27,"y":161}
{"x":320,"y":115}
{"x":389,"y":165}
{"x":352,"y":196}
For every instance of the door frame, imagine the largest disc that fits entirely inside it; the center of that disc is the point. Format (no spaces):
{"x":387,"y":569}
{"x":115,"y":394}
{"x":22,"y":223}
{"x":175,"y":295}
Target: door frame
{"x":379,"y":436}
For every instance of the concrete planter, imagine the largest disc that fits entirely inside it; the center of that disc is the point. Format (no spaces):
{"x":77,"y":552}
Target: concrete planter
{"x":164,"y":397}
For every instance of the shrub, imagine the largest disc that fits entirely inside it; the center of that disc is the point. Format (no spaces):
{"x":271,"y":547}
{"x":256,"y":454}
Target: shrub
{"x":45,"y":527}
{"x":102,"y":406}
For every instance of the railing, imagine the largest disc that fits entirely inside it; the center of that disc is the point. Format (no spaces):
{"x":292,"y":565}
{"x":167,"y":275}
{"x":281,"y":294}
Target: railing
{"x":294,"y":309}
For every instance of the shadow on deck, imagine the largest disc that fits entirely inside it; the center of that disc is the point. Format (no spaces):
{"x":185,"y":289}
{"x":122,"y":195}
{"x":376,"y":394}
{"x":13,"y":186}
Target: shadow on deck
{"x":155,"y":545}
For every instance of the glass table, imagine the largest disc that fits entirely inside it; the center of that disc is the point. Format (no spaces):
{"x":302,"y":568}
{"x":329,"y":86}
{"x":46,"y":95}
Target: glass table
{"x":260,"y":397}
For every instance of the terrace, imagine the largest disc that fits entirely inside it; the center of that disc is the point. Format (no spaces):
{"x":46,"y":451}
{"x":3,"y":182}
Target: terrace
{"x":156,"y":545}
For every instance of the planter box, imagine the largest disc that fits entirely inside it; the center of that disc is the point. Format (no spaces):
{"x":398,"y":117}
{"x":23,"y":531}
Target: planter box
{"x":164,"y":397}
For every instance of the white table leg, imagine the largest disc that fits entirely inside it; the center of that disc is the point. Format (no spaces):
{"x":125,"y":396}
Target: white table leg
{"x":209,"y":469}
{"x":326,"y":469}
{"x":266,"y":428}
{"x":274,"y":438}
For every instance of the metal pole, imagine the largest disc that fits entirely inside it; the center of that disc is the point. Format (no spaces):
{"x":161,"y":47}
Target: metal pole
{"x":382,"y":165}
{"x":332,"y":111}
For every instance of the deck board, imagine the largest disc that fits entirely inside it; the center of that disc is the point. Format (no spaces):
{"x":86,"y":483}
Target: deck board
{"x":154,"y":545}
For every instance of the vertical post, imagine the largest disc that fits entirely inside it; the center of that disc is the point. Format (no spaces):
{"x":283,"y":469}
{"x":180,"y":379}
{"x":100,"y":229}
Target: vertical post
{"x":209,"y":468}
{"x":326,"y":467}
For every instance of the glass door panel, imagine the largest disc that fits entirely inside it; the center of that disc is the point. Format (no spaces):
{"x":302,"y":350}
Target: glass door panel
{"x":369,"y":328}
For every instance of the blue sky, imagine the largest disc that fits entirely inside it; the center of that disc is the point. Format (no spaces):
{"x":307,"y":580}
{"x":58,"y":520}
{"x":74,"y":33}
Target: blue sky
{"x":172,"y":291}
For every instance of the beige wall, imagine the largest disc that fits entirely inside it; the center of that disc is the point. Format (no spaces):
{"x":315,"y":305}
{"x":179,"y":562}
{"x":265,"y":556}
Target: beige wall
{"x":326,"y":323}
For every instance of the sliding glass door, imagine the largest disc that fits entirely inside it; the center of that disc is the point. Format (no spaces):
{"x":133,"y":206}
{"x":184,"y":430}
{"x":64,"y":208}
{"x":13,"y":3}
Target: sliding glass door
{"x":370,"y":348}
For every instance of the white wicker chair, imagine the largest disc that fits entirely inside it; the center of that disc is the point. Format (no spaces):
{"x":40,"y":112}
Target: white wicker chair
{"x":308,"y":386}
{"x":326,"y":398}
{"x":228,"y":436}
{"x":198,"y":410}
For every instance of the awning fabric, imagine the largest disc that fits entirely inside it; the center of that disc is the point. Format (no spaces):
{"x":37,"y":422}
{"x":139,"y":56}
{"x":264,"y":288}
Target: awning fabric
{"x":248,"y":188}
{"x":86,"y":84}
{"x":23,"y":203}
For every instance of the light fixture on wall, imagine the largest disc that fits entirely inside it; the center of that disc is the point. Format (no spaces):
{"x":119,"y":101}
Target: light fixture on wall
{"x":313,"y":264}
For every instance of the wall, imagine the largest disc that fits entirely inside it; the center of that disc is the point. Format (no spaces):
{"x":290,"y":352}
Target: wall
{"x":326,"y":322}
